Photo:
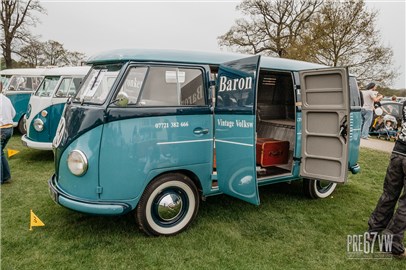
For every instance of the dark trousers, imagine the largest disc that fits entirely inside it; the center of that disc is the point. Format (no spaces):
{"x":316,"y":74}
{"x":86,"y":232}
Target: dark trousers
{"x":5,"y":135}
{"x":384,"y":218}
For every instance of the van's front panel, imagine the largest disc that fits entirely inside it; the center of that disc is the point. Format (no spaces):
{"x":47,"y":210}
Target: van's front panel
{"x":84,"y":186}
{"x":37,"y":122}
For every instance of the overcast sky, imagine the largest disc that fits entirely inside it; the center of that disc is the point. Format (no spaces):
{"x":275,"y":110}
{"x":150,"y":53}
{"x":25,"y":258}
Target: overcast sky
{"x":94,"y":26}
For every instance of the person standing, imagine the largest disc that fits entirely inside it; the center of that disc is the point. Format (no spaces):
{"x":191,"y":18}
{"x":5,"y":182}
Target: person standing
{"x":367,"y":110}
{"x":384,"y":219}
{"x":7,"y":114}
{"x":377,"y":103}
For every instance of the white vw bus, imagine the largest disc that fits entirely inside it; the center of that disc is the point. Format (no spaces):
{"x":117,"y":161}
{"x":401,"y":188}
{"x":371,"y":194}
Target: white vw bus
{"x":47,"y":103}
{"x":19,"y":84}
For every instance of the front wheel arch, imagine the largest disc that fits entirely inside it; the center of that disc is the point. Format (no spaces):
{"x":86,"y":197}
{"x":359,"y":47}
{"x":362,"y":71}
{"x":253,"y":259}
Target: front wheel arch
{"x":21,"y":125}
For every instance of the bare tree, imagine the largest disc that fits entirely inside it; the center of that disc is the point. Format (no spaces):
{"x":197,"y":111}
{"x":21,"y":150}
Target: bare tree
{"x":54,"y":52}
{"x":16,"y":18}
{"x":75,"y":58}
{"x":273,"y":27}
{"x":344,"y":34}
{"x":32,"y":54}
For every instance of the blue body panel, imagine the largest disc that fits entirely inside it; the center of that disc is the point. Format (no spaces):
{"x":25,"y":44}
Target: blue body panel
{"x":20,"y":102}
{"x":153,"y":144}
{"x":50,"y":124}
{"x":235,"y":155}
{"x":355,"y":137}
{"x":235,"y":128}
{"x":84,"y":187}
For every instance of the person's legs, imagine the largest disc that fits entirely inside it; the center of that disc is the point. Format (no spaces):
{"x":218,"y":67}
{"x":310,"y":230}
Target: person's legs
{"x":363,"y":112}
{"x":366,"y":123}
{"x":397,"y":225}
{"x":392,"y":189}
{"x":5,"y":135}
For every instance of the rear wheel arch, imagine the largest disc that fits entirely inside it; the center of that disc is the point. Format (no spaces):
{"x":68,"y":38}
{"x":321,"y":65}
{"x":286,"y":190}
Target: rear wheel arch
{"x":318,"y":189}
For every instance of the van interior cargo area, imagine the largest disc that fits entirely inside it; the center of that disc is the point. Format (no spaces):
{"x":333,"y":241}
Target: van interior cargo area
{"x":276,"y":116}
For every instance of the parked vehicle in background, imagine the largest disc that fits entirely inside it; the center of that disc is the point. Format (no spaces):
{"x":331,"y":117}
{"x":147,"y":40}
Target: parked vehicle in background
{"x":47,"y":103}
{"x":20,"y":84}
{"x":145,"y":133}
{"x":391,"y":107}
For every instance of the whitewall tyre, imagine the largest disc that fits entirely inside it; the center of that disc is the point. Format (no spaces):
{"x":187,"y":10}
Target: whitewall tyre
{"x":317,"y":189}
{"x":168,"y":205}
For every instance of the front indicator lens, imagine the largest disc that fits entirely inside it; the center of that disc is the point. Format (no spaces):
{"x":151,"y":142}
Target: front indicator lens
{"x":38,"y":125}
{"x":77,"y":163}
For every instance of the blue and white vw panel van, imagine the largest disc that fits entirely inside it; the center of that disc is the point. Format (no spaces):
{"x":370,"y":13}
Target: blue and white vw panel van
{"x":157,"y":131}
{"x":47,"y":103}
{"x":20,"y":84}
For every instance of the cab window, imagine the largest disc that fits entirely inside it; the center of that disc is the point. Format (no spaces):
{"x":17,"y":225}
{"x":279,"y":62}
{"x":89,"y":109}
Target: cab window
{"x":133,"y":83}
{"x":47,"y":87}
{"x":68,"y":87}
{"x":172,"y":86}
{"x":98,"y":83}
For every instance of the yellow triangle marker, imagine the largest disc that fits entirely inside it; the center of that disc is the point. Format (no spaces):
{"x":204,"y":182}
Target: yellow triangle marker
{"x":11,"y":152}
{"x":35,"y":221}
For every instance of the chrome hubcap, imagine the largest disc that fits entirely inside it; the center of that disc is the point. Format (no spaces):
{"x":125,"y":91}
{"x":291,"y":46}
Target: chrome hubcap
{"x":169,"y":206}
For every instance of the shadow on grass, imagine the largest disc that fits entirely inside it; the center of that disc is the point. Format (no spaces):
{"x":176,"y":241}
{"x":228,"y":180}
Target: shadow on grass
{"x":90,"y":226}
{"x":38,"y":155}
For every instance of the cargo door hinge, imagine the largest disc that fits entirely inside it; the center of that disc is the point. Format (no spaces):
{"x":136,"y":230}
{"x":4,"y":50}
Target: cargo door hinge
{"x":99,"y":190}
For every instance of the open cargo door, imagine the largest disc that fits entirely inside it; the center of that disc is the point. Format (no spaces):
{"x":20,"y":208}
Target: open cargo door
{"x":325,"y":117}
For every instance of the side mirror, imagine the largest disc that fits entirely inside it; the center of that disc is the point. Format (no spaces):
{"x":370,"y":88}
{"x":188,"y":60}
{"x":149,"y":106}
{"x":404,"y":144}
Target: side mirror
{"x":122,"y":99}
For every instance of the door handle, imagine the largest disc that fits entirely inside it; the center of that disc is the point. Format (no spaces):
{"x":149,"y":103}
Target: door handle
{"x":200,"y":131}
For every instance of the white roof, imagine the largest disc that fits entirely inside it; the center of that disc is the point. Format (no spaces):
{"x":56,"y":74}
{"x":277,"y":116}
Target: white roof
{"x":23,"y":71}
{"x":67,"y":71}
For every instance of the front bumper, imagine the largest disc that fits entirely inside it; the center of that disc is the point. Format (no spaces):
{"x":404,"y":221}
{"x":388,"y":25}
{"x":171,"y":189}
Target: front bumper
{"x":35,"y":145}
{"x":84,"y":206}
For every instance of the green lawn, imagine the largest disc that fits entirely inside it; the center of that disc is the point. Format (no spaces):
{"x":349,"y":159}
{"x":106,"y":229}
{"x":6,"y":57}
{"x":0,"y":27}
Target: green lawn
{"x":287,"y":231}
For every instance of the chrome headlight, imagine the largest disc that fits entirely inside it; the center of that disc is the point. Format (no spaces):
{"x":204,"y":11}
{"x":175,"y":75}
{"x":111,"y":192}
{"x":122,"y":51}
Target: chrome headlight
{"x":38,"y":125}
{"x":77,"y":163}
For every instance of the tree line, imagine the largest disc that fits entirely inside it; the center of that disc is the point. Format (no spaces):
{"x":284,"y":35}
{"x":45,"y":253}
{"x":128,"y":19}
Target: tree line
{"x":328,"y":32}
{"x":17,"y":17}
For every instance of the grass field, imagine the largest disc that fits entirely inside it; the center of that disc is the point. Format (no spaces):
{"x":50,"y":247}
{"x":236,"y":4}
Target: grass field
{"x":287,"y":231}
